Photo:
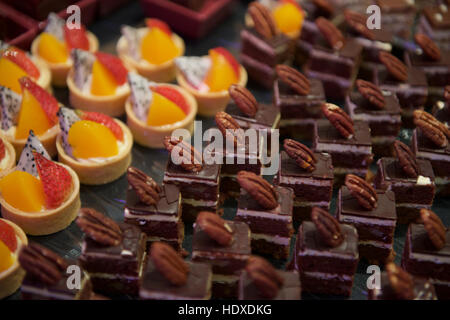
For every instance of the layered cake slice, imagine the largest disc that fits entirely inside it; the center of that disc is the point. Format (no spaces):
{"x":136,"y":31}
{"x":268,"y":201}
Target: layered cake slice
{"x":398,"y":16}
{"x":441,"y":109}
{"x":435,"y":22}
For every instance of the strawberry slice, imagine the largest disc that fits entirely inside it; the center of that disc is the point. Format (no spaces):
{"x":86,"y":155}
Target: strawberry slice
{"x":173,"y":95}
{"x":23,"y":61}
{"x":76,"y":38}
{"x":56,"y":180}
{"x":2,"y":150}
{"x":230,"y":58}
{"x":156,"y":23}
{"x":113,"y":64}
{"x":46,"y":100}
{"x":8,"y":235}
{"x":104,"y":120}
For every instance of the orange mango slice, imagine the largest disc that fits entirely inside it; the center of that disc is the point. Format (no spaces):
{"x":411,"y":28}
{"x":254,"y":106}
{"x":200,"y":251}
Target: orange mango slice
{"x":103,"y":81}
{"x":10,"y":73}
{"x":6,"y":257}
{"x":51,"y":49}
{"x":158,"y":47}
{"x":288,"y":18}
{"x":221,"y":75}
{"x":163,"y":111}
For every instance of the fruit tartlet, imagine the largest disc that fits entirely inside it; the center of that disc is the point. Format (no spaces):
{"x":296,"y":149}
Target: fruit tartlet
{"x":155,"y":110}
{"x":16,"y":64}
{"x":35,"y":109}
{"x":39,"y":195}
{"x":12,"y":238}
{"x":53,"y":46}
{"x":208,"y":78}
{"x":7,"y":156}
{"x":151,"y":50}
{"x":98,"y":82}
{"x":96,"y":146}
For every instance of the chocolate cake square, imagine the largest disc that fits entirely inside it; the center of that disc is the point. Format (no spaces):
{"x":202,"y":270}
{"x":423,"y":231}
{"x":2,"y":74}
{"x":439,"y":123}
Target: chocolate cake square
{"x":411,"y":194}
{"x":227,"y":261}
{"x":116,"y":270}
{"x":397,"y":16}
{"x":156,"y":287}
{"x":375,"y":227}
{"x":436,"y":72}
{"x":421,"y":259}
{"x":441,"y":111}
{"x":435,"y":22}
{"x":271,"y":230}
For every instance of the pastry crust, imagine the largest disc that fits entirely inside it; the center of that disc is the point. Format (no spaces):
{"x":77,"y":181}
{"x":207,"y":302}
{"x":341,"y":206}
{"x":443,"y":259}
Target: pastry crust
{"x":93,"y":173}
{"x":47,"y":221}
{"x":164,"y":72}
{"x":209,"y":103}
{"x":152,"y":136}
{"x":11,"y":153}
{"x":59,"y":71}
{"x":11,"y":279}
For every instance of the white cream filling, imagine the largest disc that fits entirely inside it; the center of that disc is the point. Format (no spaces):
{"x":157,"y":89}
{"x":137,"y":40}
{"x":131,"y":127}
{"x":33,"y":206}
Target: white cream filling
{"x":328,"y":276}
{"x":272,"y":214}
{"x":197,"y":203}
{"x":150,"y":217}
{"x":206,"y":182}
{"x":433,"y":156}
{"x":364,"y":220}
{"x":343,"y":148}
{"x":375,"y":243}
{"x":5,"y":161}
{"x":311,"y":204}
{"x":284,"y":241}
{"x":305,"y":181}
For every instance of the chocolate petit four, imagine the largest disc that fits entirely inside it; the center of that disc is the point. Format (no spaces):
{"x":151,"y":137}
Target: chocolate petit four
{"x":268,"y":212}
{"x":225,"y":245}
{"x":372,"y":212}
{"x":397,"y":284}
{"x":168,"y":277}
{"x":441,"y":109}
{"x":326,"y":254}
{"x":47,"y":276}
{"x":198,"y":182}
{"x":397,"y":16}
{"x":309,"y":174}
{"x":427,"y":252}
{"x":299,"y":101}
{"x":155,"y":209}
{"x":112,"y":253}
{"x":411,"y":180}
{"x":435,"y":22}
{"x":380,"y":109}
{"x":261,"y":280}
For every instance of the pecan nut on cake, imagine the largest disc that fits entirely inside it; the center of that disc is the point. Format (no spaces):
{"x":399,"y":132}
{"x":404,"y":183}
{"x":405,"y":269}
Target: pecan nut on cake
{"x":434,"y":21}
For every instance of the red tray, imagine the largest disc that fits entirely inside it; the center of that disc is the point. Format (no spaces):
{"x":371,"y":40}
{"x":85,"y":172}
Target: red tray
{"x":16,"y":28}
{"x":194,"y":24}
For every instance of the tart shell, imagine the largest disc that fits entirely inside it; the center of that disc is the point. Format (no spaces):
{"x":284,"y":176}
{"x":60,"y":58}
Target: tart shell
{"x":11,"y":152}
{"x":45,"y":77}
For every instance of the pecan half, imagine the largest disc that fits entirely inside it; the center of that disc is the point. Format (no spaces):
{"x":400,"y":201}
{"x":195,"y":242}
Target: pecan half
{"x":401,"y":282}
{"x":407,"y":159}
{"x":191,"y":159}
{"x":339,"y":119}
{"x":42,"y":263}
{"x":264,"y":276}
{"x":394,"y":66}
{"x":371,"y":92}
{"x":362,"y":191}
{"x":262,"y":20}
{"x":244,"y":99}
{"x":229,"y":127}
{"x":293,"y":78}
{"x":169,"y":263}
{"x":260,"y":190}
{"x":333,"y":35}
{"x":145,"y":187}
{"x":215,"y":227}
{"x":357,"y":22}
{"x":99,"y":227}
{"x":325,"y":7}
{"x":435,"y":228}
{"x":328,"y":227}
{"x":428,"y":46}
{"x":432,"y":128}
{"x":302,"y":155}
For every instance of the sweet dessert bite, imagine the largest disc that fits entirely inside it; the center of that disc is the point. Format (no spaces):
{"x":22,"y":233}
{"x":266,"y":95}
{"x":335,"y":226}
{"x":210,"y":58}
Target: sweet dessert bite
{"x":96,"y":146}
{"x":309,"y":174}
{"x":397,"y":284}
{"x":411,"y":179}
{"x":7,"y":156}
{"x":326,"y":254}
{"x":168,"y":277}
{"x":12,"y":238}
{"x":225,"y":245}
{"x":47,"y":275}
{"x":299,"y":100}
{"x":198,"y":181}
{"x":56,"y":41}
{"x":427,"y":252}
{"x":208,"y":78}
{"x":263,"y":46}
{"x":35,"y":109}
{"x":441,"y":109}
{"x":398,"y":16}
{"x":155,"y":209}
{"x":98,"y":82}
{"x":349,"y":143}
{"x":39,"y":195}
{"x":261,"y":281}
{"x":434,"y":21}
{"x":155,"y":110}
{"x":430,"y":142}
{"x":372,"y":212}
{"x":151,"y":50}
{"x":380,"y":109}
{"x":191,"y":4}
{"x":112,"y":253}
{"x":267,"y":210}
